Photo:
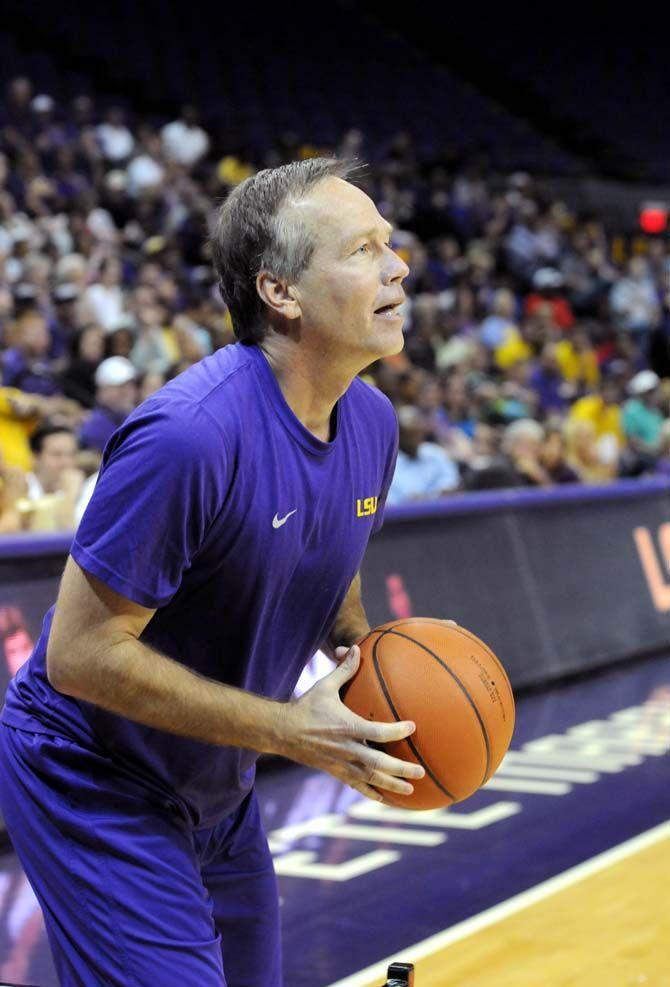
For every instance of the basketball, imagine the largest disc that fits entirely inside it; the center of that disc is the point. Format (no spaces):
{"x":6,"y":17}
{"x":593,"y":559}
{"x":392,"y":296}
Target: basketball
{"x":456,"y":691}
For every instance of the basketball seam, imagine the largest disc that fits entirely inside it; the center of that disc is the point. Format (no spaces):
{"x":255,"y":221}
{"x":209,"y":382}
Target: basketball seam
{"x":470,"y":636}
{"x":408,"y":740}
{"x":487,"y":744}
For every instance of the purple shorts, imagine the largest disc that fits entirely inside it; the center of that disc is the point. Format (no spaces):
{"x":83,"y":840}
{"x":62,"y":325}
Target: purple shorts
{"x":132,"y":896}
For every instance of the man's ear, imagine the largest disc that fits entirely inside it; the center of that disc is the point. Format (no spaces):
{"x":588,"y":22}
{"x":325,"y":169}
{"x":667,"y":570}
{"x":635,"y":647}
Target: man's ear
{"x":280,"y":297}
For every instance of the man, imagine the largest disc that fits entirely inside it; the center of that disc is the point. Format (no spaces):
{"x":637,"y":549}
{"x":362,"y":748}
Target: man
{"x":519,"y":464}
{"x":115,"y":397}
{"x":26,"y":365}
{"x":423,"y":469}
{"x":641,"y":418}
{"x":221,"y":547}
{"x":55,"y":484}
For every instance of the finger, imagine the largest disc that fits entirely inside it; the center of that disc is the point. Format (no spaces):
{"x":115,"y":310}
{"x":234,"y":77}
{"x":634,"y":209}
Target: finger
{"x":379,"y":780}
{"x":341,"y":652}
{"x":370,"y":793}
{"x":381,"y":761}
{"x":383,"y":733}
{"x":346,"y":669}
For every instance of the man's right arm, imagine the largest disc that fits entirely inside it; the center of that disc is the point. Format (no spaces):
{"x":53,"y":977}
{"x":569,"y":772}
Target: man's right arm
{"x":94,"y":654}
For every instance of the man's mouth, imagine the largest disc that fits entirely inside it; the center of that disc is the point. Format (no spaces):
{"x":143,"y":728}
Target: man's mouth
{"x":389,"y":311}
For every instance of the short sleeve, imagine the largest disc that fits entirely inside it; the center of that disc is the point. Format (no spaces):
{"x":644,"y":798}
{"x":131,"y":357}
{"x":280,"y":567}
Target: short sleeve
{"x":391,"y":443}
{"x":162,"y":482}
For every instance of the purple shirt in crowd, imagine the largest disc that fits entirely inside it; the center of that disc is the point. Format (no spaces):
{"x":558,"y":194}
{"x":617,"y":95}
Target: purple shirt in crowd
{"x":219,"y":509}
{"x":99,"y":427}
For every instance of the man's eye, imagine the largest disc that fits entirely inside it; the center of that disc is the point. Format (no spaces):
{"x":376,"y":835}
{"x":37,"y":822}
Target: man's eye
{"x":363,"y":248}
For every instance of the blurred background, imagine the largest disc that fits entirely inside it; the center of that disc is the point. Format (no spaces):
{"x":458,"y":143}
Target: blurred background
{"x":531,"y":209}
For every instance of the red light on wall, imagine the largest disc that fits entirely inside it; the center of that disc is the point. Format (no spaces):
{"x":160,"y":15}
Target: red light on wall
{"x":653,"y":217}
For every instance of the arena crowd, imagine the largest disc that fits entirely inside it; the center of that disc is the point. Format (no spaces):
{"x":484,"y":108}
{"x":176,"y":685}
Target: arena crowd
{"x":537,"y":341}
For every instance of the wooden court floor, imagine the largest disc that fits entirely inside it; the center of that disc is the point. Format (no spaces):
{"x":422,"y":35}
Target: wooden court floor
{"x":609,"y":927}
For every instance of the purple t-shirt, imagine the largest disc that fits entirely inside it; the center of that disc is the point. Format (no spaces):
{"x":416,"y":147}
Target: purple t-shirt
{"x":217,"y":507}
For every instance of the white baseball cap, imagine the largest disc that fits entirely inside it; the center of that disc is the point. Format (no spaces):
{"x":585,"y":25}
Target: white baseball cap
{"x":114,"y":371}
{"x":643,"y":382}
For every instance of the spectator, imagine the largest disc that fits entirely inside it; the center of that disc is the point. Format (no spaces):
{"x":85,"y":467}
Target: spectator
{"x":633,"y":299}
{"x":553,"y":456}
{"x":26,"y":364}
{"x":522,"y":444}
{"x":115,"y":398}
{"x":65,"y":324}
{"x":103,"y":301}
{"x":423,"y":469}
{"x":547,"y":297}
{"x":577,"y":361}
{"x":184,"y":142}
{"x":497,"y":326}
{"x":517,"y":465}
{"x":549,"y":384}
{"x":603,"y":411}
{"x":88,"y":350}
{"x":582,"y":453}
{"x":56,"y":483}
{"x":662,"y":465}
{"x":116,"y":140}
{"x":641,"y":419}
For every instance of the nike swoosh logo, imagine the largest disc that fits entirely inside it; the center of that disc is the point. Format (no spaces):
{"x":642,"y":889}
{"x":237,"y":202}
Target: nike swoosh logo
{"x":278,"y":521}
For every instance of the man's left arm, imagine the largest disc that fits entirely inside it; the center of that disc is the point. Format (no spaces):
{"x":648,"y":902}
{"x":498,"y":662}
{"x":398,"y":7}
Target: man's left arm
{"x":351,"y":623}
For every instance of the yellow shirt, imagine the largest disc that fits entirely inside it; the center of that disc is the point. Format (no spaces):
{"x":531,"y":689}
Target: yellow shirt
{"x":605,"y":418}
{"x":577,"y":366}
{"x":512,"y":350}
{"x":15,"y":431}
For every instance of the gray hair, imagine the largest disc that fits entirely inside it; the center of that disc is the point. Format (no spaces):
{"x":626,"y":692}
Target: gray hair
{"x":256,"y":230}
{"x":523,"y":428}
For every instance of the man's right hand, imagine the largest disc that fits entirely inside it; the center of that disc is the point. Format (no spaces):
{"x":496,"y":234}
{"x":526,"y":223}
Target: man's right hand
{"x":320,"y":731}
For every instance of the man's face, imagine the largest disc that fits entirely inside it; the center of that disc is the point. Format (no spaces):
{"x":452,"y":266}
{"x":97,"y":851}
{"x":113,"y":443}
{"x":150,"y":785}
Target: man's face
{"x":352,"y":274}
{"x":57,"y":455}
{"x":119,"y":397}
{"x":34,"y":334}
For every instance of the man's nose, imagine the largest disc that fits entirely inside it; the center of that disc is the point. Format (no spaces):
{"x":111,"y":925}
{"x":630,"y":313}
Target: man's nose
{"x":396,"y":269}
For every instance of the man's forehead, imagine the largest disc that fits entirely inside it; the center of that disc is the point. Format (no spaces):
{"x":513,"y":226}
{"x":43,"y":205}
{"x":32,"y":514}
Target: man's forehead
{"x":341,"y":208}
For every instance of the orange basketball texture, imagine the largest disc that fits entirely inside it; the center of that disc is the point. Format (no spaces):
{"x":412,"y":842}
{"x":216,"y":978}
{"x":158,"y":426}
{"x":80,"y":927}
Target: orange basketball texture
{"x":456,"y":691}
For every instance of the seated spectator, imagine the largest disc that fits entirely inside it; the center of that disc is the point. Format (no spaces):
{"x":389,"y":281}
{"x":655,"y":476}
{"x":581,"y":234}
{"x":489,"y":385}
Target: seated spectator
{"x":603,"y":411}
{"x":634,"y":300}
{"x":582,"y":453}
{"x":423,"y":469}
{"x":115,"y":398}
{"x":13,"y":487}
{"x":547,"y":381}
{"x":55,"y":484}
{"x":522,"y":444}
{"x":115,"y":139}
{"x":641,"y":419}
{"x":183,"y":140}
{"x":26,"y":364}
{"x":103,"y":302}
{"x":155,"y":346}
{"x":548,"y":284}
{"x":517,"y":465}
{"x":662,"y":465}
{"x":578,"y":361}
{"x":495,"y":328}
{"x":66,"y":323}
{"x":553,"y":455}
{"x":87,"y":352}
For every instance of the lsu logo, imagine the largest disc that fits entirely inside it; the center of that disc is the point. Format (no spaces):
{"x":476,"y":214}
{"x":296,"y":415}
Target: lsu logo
{"x":366,"y":506}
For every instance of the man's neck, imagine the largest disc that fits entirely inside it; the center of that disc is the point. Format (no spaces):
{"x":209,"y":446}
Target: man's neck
{"x":311,"y":381}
